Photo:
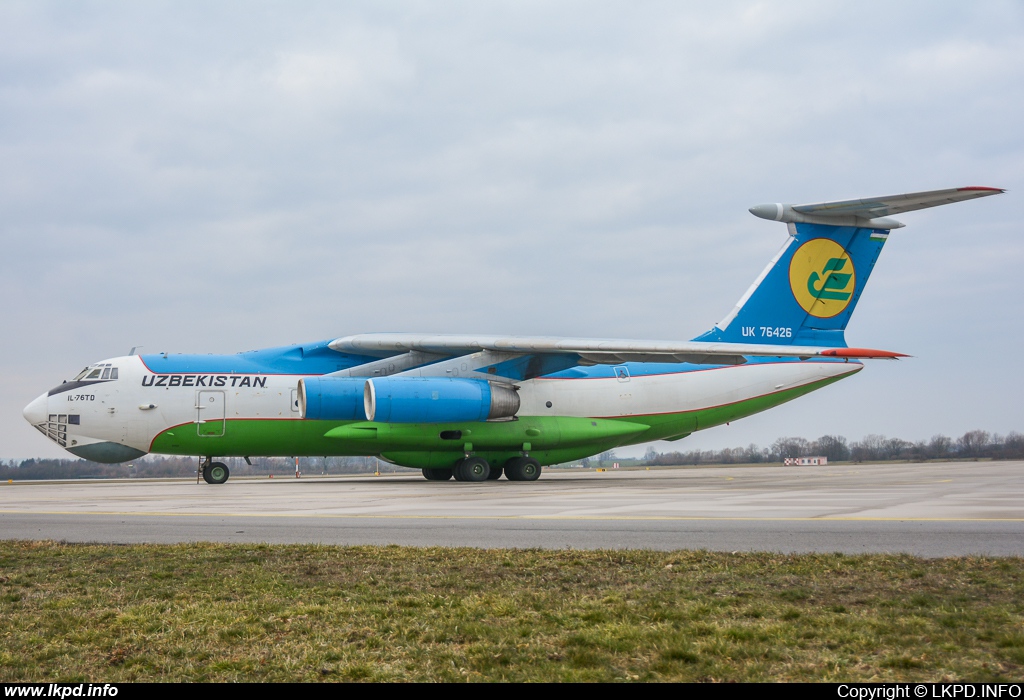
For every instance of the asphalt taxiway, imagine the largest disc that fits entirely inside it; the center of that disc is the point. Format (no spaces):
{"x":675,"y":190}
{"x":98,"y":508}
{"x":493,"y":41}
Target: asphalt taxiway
{"x":936,"y":509}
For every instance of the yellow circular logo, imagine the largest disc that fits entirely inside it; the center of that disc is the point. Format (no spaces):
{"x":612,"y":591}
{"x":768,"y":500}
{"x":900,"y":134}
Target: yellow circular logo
{"x":822,"y":278}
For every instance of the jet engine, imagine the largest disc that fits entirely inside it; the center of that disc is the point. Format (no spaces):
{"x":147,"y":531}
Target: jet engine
{"x":331,"y":398}
{"x":437,"y":400}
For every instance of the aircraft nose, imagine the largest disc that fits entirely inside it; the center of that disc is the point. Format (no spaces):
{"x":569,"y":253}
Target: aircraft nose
{"x":36,"y":412}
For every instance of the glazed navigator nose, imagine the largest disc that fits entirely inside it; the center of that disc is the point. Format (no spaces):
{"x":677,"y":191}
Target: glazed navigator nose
{"x":36,"y":412}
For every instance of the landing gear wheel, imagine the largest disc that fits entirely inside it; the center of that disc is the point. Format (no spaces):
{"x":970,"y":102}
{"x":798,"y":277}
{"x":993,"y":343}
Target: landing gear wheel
{"x":437,"y":474}
{"x":522,"y":469}
{"x":215,"y":472}
{"x":495,"y":473}
{"x":472,"y":469}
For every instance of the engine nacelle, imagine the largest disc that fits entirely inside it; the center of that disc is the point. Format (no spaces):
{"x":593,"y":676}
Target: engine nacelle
{"x":437,"y":400}
{"x":331,"y":398}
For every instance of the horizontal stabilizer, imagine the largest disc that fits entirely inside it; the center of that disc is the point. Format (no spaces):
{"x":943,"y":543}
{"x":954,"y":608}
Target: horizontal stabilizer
{"x":869,"y":212}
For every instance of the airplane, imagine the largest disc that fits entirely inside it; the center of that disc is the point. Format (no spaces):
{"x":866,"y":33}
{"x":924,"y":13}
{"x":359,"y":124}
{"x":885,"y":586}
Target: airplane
{"x":476,"y":407}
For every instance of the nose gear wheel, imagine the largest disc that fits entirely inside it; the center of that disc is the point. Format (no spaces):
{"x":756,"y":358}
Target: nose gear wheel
{"x":215,"y":472}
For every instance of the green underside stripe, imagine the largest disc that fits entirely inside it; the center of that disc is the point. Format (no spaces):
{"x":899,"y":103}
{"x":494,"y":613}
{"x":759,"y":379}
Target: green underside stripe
{"x":549,"y":439}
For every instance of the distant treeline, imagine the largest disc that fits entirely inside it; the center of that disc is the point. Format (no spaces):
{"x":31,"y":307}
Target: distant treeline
{"x":152,"y":466}
{"x":976,"y":444}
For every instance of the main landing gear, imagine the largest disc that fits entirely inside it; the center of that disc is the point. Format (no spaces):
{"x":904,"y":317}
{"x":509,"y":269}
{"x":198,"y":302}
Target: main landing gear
{"x":472,"y":469}
{"x":214,"y":472}
{"x":478,"y":469}
{"x":522,"y":469}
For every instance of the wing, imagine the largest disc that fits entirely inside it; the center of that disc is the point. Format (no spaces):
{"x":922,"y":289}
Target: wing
{"x":524,"y":357}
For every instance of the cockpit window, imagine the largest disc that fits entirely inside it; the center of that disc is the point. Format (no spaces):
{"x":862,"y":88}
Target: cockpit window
{"x":104,"y":371}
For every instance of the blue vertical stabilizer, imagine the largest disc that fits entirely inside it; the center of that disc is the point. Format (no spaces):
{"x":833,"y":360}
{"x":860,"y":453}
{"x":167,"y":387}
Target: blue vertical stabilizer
{"x":809,"y":290}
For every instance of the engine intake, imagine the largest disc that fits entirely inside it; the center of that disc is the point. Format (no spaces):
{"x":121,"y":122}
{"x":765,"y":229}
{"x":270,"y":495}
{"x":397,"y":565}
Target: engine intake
{"x":437,"y":400}
{"x":331,"y":398}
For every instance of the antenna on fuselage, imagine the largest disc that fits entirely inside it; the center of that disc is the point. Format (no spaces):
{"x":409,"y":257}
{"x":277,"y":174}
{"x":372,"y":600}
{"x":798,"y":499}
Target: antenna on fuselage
{"x":134,"y":348}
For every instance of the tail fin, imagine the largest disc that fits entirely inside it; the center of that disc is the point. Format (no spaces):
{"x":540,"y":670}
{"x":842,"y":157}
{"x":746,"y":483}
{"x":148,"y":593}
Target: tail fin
{"x":809,"y":290}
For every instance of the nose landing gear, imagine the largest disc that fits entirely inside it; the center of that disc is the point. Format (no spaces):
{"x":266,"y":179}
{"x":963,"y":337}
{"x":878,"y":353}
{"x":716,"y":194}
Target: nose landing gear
{"x":214,"y":472}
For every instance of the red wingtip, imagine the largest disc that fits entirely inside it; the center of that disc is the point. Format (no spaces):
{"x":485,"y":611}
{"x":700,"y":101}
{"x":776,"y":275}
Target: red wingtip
{"x":863,"y":353}
{"x":980,"y":189}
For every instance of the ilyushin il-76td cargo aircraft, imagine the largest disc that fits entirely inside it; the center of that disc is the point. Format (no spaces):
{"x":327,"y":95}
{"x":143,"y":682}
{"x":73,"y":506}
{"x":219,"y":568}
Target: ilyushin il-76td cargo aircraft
{"x":479,"y":406}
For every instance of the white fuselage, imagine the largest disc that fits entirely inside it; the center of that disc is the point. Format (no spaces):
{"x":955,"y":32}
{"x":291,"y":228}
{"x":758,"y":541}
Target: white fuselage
{"x":140,"y":404}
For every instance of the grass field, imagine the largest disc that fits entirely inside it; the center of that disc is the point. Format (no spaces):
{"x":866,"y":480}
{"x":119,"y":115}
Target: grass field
{"x":273,"y":613}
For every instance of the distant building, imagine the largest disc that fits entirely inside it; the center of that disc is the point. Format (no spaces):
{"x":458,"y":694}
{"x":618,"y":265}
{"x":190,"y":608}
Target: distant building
{"x":805,"y":461}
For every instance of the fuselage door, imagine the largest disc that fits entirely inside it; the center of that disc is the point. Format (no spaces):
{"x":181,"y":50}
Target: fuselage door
{"x":210,"y":413}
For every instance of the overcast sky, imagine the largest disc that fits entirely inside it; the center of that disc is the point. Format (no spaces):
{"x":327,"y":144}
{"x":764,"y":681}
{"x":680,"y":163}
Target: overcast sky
{"x":218,"y":177}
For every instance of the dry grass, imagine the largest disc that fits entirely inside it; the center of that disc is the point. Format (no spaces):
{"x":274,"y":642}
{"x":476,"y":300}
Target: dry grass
{"x":282,"y":613}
